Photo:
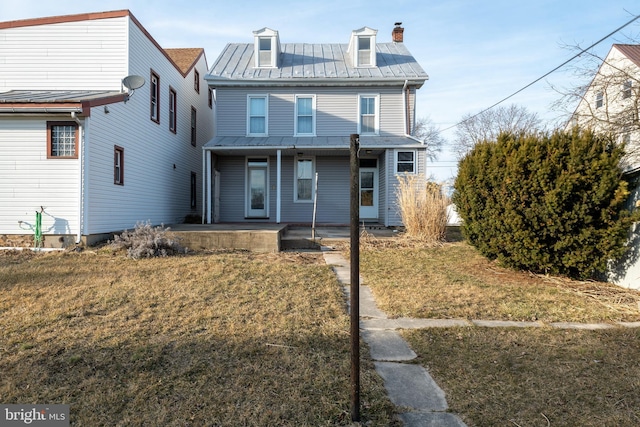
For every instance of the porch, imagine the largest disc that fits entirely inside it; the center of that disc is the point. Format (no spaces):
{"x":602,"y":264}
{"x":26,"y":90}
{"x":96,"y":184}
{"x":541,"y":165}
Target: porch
{"x":263,"y":237}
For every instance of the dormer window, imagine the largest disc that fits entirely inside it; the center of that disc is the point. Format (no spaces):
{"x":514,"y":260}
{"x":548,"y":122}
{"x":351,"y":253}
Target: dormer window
{"x":266,"y":48}
{"x":364,"y":51}
{"x":362,"y":47}
{"x":264,"y":52}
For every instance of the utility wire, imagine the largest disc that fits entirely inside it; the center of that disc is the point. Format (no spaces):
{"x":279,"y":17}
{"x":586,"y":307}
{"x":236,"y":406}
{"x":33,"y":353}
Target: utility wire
{"x":545,"y":75}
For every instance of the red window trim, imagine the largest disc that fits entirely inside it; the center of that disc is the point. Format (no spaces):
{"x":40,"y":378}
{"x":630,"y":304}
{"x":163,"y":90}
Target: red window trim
{"x":173,"y":114}
{"x":155,"y":109}
{"x":117,"y":149}
{"x":194,"y":127}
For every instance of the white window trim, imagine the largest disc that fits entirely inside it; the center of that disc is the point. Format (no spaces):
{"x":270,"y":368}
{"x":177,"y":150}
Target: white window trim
{"x":295,"y":178}
{"x":266,"y":114}
{"x":377,"y":118}
{"x":395,"y":161}
{"x":313,"y":116}
{"x":267,"y":163}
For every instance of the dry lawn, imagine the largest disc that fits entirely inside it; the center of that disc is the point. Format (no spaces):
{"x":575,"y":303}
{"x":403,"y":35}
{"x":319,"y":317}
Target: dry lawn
{"x":535,"y":377}
{"x":213,"y":339}
{"x":453,"y":280}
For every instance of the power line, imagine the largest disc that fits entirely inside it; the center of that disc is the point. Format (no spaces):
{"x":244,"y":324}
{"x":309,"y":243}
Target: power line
{"x":545,"y":75}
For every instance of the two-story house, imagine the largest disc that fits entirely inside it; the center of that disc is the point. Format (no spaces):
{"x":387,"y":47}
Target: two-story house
{"x":610,"y":105}
{"x":100,"y":127}
{"x":284,"y":116}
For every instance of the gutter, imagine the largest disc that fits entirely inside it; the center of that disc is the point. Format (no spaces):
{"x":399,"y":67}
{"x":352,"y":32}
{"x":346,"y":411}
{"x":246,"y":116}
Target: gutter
{"x":308,"y":82}
{"x":80,"y":175}
{"x":43,"y":110}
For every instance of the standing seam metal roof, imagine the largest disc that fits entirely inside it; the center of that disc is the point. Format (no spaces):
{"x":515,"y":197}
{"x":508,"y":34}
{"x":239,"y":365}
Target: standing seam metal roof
{"x":316,"y":61}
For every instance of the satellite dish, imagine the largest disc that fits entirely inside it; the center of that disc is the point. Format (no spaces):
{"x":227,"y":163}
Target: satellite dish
{"x":133,"y":82}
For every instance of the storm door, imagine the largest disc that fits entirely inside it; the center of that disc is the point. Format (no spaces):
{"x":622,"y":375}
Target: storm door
{"x":257,"y":195}
{"x":368,"y":189}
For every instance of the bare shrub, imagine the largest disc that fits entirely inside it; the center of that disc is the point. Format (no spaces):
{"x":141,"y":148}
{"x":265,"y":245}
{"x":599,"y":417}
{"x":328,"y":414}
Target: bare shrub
{"x":146,"y":241}
{"x":423,"y":208}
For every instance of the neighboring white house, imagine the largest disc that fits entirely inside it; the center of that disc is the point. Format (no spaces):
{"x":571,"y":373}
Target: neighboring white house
{"x":610,"y":105}
{"x":285,"y":113}
{"x":90,"y":154}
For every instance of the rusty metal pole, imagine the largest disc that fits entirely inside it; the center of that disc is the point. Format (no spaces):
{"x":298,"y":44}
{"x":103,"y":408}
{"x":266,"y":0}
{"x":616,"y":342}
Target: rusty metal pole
{"x":355,"y":278}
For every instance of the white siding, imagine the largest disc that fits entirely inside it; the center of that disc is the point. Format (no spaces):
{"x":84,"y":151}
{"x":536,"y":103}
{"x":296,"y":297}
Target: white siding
{"x":85,"y":55}
{"x":154,"y":190}
{"x":29,"y":181}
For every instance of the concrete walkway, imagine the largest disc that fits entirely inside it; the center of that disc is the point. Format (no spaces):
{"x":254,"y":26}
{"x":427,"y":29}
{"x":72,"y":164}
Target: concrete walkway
{"x":420,"y":402}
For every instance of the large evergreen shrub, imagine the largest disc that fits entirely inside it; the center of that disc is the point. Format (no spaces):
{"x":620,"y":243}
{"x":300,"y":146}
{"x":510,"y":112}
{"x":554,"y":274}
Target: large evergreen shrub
{"x":552,"y":203}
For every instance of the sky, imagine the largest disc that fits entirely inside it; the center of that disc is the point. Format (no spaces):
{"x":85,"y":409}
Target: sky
{"x":475,"y":52}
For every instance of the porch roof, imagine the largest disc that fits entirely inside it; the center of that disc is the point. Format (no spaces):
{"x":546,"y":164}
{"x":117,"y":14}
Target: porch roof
{"x":318,"y":144}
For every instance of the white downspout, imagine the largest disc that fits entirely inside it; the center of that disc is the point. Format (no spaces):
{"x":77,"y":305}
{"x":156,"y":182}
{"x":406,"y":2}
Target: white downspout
{"x":80,"y":176}
{"x":278,"y":180}
{"x":209,"y":196}
{"x":405,"y":108}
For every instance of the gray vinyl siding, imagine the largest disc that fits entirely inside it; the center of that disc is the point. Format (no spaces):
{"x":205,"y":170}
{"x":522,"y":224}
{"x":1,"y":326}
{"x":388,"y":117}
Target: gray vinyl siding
{"x":336,"y":110}
{"x":382,"y":190}
{"x":333,"y":191}
{"x":394,"y":218}
{"x":232,"y":188}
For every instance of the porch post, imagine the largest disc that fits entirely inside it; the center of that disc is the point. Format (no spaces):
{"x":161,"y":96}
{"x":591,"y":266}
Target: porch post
{"x":207,"y":198}
{"x":278,"y":187}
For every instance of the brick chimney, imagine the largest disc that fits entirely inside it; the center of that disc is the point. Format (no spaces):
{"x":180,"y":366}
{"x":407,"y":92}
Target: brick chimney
{"x":396,"y":34}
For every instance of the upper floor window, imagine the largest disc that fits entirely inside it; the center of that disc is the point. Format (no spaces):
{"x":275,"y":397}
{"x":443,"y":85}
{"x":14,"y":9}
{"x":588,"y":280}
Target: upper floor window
{"x":118,"y":165}
{"x":626,"y":89}
{"x":173,"y":115}
{"x":305,"y":178}
{"x":193,"y":127}
{"x":368,"y":122}
{"x":257,"y":115}
{"x":62,"y":140}
{"x":210,"y":98}
{"x":364,"y":51}
{"x":405,"y":161}
{"x":264,"y":52}
{"x":196,"y":81}
{"x":155,"y":97}
{"x":599,"y":99}
{"x":305,"y":120}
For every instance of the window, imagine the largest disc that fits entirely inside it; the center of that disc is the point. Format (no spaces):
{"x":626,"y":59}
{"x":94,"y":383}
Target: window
{"x":62,"y":140}
{"x":626,"y":89}
{"x":364,"y":51}
{"x":210,"y":100}
{"x":257,"y":115}
{"x":368,"y":122}
{"x":305,"y":115}
{"x":264,"y":52}
{"x":193,"y":190}
{"x":193,"y":126}
{"x":405,"y":162}
{"x":172,"y":110}
{"x":155,"y":97}
{"x":305,"y":177}
{"x":196,"y":81}
{"x":599,"y":99}
{"x":118,"y":165}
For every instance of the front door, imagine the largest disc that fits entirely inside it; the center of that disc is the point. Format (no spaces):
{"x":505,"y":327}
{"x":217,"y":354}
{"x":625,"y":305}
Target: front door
{"x":257,"y":197}
{"x":368,"y":193}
